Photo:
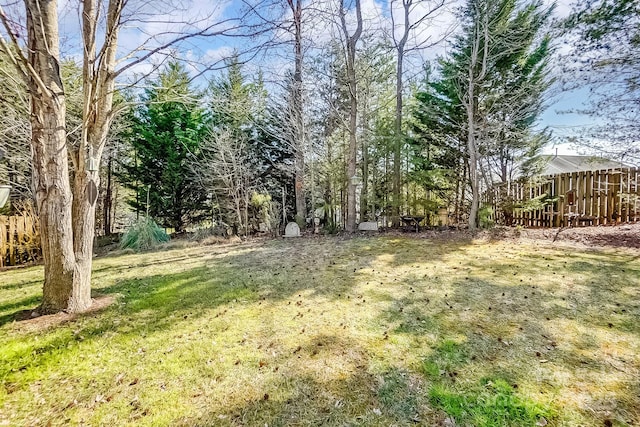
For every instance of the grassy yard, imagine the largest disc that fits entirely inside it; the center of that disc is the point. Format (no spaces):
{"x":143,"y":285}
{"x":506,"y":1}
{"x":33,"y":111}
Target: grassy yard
{"x":393,"y":330}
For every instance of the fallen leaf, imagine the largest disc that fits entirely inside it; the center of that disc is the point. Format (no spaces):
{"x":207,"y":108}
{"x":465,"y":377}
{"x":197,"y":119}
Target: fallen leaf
{"x":119,"y":378}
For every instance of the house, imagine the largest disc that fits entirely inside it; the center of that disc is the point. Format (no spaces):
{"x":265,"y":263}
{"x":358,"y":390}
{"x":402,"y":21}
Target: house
{"x":559,"y":164}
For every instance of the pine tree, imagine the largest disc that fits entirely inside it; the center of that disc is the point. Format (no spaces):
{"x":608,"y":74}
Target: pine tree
{"x":168,"y":130}
{"x":491,"y":90}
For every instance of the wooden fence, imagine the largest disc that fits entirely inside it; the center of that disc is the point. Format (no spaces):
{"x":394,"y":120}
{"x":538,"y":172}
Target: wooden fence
{"x":601,"y":197}
{"x":19,"y":240}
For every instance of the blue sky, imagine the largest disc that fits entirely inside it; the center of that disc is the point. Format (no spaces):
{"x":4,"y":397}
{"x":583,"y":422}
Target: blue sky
{"x":168,"y":15}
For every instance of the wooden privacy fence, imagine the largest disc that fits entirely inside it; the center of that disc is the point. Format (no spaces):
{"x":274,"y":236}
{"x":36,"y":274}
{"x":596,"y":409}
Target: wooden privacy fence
{"x":19,"y":239}
{"x":601,"y":197}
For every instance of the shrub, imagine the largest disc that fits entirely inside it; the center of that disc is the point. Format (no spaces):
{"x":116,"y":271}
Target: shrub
{"x":486,"y":217}
{"x":143,"y":235}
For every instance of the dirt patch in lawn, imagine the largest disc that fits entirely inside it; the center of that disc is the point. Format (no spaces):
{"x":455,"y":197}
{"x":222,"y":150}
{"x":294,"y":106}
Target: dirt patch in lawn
{"x":33,"y":321}
{"x":618,"y":236}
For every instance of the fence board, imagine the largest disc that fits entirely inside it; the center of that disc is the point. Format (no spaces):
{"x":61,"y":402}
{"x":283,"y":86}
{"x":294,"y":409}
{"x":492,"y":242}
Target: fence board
{"x":19,"y":240}
{"x":3,"y":239}
{"x":12,"y":239}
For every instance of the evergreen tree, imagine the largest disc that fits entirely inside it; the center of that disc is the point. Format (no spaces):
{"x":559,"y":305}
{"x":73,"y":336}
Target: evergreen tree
{"x":168,"y":130}
{"x":491,"y":90}
{"x":438,"y":153}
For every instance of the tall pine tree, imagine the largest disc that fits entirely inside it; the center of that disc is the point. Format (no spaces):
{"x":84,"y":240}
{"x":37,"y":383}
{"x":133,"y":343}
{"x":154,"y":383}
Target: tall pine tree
{"x":491,"y":91}
{"x":168,"y":130}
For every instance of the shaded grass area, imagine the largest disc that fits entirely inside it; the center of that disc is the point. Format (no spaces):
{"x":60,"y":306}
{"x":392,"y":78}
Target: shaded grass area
{"x":364,"y":331}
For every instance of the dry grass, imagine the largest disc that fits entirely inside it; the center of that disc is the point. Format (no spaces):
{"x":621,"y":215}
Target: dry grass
{"x":329,"y":331}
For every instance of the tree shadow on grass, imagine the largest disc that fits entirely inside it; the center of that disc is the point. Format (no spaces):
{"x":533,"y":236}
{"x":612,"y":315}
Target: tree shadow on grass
{"x":491,"y":335}
{"x":289,"y":266}
{"x":9,"y":309}
{"x":305,"y":394}
{"x":216,"y":287}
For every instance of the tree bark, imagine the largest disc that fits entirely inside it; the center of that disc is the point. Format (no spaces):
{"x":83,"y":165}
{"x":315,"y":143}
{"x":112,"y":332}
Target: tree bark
{"x":399,"y":137}
{"x":63,"y":288}
{"x":398,"y":140}
{"x":352,"y":151}
{"x":98,"y":90}
{"x":364,"y":197}
{"x":476,"y":73}
{"x":299,"y":134}
{"x":108,"y":200}
{"x":473,"y":158}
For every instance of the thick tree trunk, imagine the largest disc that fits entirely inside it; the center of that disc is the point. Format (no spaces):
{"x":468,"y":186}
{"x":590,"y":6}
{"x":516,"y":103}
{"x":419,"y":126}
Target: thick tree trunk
{"x":62,"y":289}
{"x":98,"y":90}
{"x":84,"y":218}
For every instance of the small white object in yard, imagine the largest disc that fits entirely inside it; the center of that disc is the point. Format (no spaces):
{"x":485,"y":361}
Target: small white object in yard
{"x":5,"y":190}
{"x":368,"y":226}
{"x":292,"y":230}
{"x":377,"y":411}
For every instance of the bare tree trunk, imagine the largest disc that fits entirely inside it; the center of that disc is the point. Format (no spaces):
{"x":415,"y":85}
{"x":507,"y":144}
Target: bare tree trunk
{"x":68,"y":221}
{"x":397,"y":146}
{"x":399,"y":137}
{"x":473,"y":165}
{"x":98,"y":90}
{"x":352,"y":152}
{"x":364,"y":198}
{"x":299,"y":133}
{"x":476,"y":73}
{"x":108,"y":200}
{"x":61,"y":290}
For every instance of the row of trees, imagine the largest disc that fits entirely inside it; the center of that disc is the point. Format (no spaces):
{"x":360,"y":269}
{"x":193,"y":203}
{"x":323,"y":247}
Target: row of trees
{"x":354,"y":131}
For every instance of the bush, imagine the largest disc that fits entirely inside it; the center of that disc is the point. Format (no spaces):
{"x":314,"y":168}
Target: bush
{"x":143,"y":235}
{"x":486,"y":217}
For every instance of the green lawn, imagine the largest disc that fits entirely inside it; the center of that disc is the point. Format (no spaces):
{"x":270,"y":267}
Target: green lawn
{"x":330,"y":331}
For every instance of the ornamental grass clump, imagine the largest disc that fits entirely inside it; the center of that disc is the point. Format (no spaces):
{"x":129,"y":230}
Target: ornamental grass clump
{"x":143,"y":235}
